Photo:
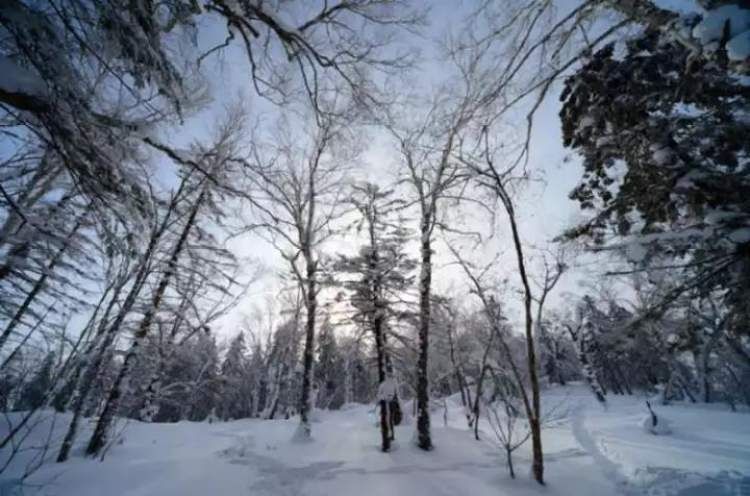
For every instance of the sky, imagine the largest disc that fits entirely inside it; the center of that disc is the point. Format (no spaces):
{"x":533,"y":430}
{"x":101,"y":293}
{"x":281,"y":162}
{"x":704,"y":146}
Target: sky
{"x":543,"y":207}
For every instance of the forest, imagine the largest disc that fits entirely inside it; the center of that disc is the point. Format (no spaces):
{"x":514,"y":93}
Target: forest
{"x":288,"y":246}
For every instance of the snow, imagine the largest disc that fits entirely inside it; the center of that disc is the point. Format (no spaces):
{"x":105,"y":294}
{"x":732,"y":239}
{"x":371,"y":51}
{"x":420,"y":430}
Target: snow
{"x":710,"y":30}
{"x":711,"y":27}
{"x":661,"y":155}
{"x":662,"y":427}
{"x":237,"y":8}
{"x":738,"y":48}
{"x":709,"y":446}
{"x":586,"y":122}
{"x":636,"y":252}
{"x":588,"y":451}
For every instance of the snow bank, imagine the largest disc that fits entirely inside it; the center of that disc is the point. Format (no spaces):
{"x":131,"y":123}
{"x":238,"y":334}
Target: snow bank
{"x":707,"y":452}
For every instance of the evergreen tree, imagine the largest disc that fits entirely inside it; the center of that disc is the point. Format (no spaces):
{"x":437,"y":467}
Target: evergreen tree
{"x":205,"y":391}
{"x":383,"y":272}
{"x":328,"y":367}
{"x":663,"y":136}
{"x":34,"y":392}
{"x":234,"y":399}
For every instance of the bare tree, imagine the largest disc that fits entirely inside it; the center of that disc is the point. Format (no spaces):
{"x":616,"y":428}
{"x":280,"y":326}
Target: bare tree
{"x":427,"y":147}
{"x":504,"y":421}
{"x":451,"y":330}
{"x":553,"y":268}
{"x":298,"y":190}
{"x":530,"y":395}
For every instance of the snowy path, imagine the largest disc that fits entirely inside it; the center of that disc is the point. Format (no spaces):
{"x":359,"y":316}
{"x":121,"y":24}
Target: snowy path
{"x":701,"y":457}
{"x":344,"y":459}
{"x":253,"y":457}
{"x":592,"y":453}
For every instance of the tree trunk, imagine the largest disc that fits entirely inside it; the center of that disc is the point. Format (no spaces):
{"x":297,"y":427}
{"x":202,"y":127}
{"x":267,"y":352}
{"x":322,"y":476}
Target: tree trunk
{"x":614,"y":382}
{"x":93,"y":361}
{"x":98,"y":350}
{"x":88,"y":377}
{"x":385,"y":427}
{"x":149,"y":407}
{"x":480,"y":382}
{"x":509,"y":458}
{"x":623,"y":379}
{"x":273,"y":393}
{"x":100,"y":436}
{"x":706,"y":384}
{"x":424,"y":440}
{"x":305,"y":406}
{"x":537,"y":466}
{"x":348,"y":386}
{"x":459,"y":376}
{"x":588,"y":370}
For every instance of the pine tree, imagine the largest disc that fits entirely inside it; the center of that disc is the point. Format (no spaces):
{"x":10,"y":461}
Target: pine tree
{"x":328,"y":367}
{"x":234,"y":380}
{"x":383,"y":273}
{"x":34,"y":392}
{"x":196,"y":364}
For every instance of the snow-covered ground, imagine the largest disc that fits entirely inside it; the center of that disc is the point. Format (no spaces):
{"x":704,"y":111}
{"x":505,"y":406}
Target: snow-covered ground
{"x":589,"y":451}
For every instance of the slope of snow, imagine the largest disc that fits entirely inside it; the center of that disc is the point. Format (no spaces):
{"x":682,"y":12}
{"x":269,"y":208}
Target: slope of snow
{"x":589,"y":451}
